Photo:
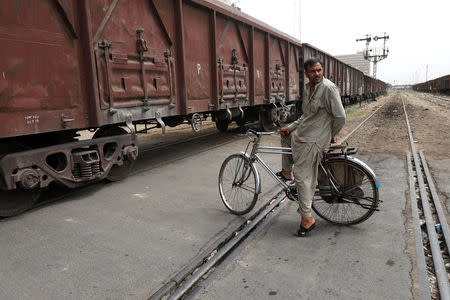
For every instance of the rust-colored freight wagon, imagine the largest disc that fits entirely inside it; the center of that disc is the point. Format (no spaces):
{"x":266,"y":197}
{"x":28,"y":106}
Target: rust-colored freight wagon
{"x":348,"y":79}
{"x":88,"y":64}
{"x":438,"y":85}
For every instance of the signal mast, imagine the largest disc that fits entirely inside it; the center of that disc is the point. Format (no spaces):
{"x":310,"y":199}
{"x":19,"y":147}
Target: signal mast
{"x":371,"y":54}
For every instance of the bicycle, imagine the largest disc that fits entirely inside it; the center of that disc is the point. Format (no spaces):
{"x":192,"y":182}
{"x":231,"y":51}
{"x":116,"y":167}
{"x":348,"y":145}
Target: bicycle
{"x":346,"y":194}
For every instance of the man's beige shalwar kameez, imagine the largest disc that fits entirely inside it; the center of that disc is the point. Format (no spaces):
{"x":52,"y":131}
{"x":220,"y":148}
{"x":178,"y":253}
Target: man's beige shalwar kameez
{"x":323,"y":117}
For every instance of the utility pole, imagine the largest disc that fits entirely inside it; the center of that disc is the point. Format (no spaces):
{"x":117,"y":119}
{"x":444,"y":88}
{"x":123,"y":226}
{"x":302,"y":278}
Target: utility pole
{"x":426,"y":75}
{"x":371,"y":54}
{"x":299,"y":24}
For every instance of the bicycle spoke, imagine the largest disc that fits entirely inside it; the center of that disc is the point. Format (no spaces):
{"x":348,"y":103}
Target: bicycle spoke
{"x":247,"y":188}
{"x":356,"y":196}
{"x":369,"y":199}
{"x":237,"y":184}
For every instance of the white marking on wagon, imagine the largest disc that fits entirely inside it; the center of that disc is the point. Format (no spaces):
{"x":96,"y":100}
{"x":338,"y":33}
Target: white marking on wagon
{"x":33,"y":119}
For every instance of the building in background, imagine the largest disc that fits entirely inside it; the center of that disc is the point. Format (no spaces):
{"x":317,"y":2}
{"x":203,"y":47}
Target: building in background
{"x":357,"y":60}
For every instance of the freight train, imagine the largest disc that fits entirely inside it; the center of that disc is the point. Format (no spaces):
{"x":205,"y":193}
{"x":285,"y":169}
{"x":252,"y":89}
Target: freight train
{"x":439,"y":85}
{"x":109,"y":65}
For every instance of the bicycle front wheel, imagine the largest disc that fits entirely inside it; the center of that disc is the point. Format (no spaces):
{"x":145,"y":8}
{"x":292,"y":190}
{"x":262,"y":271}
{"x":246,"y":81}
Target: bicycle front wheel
{"x":356,"y":197}
{"x":238,"y":184}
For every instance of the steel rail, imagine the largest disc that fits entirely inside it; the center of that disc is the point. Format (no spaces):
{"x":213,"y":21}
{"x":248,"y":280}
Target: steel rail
{"x":436,"y":201}
{"x":360,"y":124}
{"x":229,"y":258}
{"x":438,"y":262}
{"x":421,"y":263}
{"x":180,"y":284}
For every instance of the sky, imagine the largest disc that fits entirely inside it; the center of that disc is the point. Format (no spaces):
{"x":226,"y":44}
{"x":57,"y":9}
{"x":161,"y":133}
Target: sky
{"x":418,"y":31}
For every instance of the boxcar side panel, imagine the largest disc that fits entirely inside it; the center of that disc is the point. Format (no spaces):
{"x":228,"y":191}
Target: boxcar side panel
{"x":40,"y":78}
{"x":135,"y":59}
{"x":233,"y":48}
{"x":277,"y":68}
{"x":294,"y":73}
{"x":198,"y":57}
{"x":260,"y":54}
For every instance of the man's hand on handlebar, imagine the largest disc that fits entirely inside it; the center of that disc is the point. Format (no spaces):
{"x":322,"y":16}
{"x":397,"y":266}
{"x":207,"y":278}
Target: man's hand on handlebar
{"x":284,"y":131}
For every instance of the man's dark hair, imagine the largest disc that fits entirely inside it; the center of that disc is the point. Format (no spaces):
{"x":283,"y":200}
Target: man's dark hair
{"x":310,"y":62}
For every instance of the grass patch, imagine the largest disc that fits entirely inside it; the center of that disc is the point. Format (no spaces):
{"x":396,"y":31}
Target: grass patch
{"x":353,"y":113}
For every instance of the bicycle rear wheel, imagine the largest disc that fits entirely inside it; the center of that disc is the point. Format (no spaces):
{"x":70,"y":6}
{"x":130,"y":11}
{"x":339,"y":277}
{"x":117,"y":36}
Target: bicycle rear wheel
{"x":238,"y":184}
{"x":357,"y":198}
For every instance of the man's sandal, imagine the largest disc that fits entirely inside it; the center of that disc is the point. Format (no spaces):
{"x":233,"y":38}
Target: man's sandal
{"x":303,"y":232}
{"x":282,"y":177}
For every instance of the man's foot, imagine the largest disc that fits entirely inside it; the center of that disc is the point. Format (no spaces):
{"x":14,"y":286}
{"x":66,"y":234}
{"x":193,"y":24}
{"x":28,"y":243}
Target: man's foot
{"x":284,"y":175}
{"x":306,"y":222}
{"x":303,"y":232}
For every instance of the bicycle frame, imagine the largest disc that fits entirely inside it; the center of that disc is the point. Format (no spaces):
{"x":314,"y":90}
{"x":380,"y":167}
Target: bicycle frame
{"x":271,"y":150}
{"x":257,"y":148}
{"x":343,"y":180}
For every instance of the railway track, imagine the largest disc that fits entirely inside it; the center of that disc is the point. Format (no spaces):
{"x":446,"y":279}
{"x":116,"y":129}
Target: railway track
{"x":206,"y":265}
{"x":360,"y":124}
{"x":431,"y":232}
{"x":444,"y":102}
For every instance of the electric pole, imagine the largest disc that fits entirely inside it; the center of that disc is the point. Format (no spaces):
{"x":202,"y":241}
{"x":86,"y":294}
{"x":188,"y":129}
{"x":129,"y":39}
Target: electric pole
{"x":371,"y":54}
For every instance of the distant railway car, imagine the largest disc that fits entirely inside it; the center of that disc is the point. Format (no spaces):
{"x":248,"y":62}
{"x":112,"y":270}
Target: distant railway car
{"x":348,"y":79}
{"x":369,"y":87}
{"x":439,"y":85}
{"x":373,"y":87}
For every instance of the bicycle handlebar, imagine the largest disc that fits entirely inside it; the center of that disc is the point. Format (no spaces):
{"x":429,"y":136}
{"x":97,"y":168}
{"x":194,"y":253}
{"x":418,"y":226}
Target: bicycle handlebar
{"x":251,"y":132}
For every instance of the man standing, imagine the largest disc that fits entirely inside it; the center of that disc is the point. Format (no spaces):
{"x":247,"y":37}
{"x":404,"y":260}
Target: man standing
{"x":323,"y":117}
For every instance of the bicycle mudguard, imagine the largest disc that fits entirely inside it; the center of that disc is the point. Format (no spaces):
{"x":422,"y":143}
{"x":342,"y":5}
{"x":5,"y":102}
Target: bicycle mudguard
{"x":359,"y":162}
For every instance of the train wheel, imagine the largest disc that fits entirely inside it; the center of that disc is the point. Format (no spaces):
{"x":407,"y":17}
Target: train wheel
{"x":222,"y":125}
{"x":266,"y":121}
{"x":15,"y":202}
{"x":240,"y":122}
{"x":117,"y":172}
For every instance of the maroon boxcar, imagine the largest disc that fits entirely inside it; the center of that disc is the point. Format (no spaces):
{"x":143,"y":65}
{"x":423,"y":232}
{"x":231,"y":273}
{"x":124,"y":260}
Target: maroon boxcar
{"x":88,"y":64}
{"x":438,"y":85}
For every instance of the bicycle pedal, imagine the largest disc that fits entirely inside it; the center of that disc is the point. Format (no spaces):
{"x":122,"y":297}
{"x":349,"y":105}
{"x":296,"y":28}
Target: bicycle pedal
{"x":292,"y":194}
